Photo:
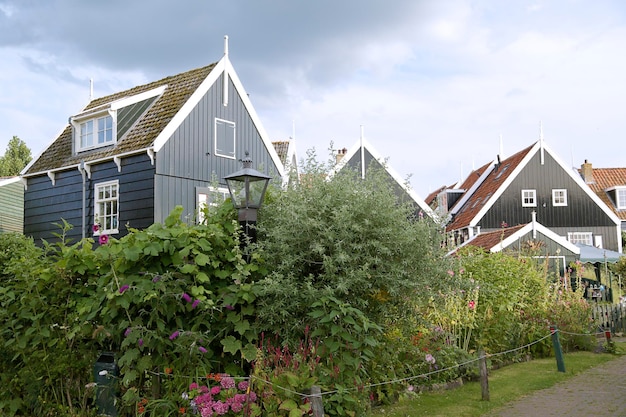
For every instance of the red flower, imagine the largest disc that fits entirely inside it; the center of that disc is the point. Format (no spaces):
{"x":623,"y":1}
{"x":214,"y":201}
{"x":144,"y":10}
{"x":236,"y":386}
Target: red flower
{"x":471,"y":304}
{"x":104,"y":239}
{"x":95,"y":227}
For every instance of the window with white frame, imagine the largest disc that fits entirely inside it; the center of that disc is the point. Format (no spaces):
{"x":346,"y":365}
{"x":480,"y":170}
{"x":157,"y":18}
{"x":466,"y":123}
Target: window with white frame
{"x":209,"y":197}
{"x":101,"y":126}
{"x":620,"y":198}
{"x":96,"y":132}
{"x":529,"y":198}
{"x":559,"y":198}
{"x":224,"y":138}
{"x":584,"y":238}
{"x":106,"y":208}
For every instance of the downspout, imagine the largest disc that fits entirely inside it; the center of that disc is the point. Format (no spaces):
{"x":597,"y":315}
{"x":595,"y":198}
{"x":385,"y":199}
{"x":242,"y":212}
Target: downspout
{"x":81,"y":168}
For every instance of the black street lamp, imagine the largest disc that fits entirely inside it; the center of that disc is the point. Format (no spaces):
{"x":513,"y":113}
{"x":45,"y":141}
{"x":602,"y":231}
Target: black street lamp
{"x":247,"y":189}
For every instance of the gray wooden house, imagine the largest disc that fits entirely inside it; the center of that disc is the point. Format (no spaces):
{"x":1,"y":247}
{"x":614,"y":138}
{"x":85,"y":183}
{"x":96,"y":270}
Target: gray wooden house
{"x":11,"y":205}
{"x":362,"y":156}
{"x":534,"y":180}
{"x":127,"y":159}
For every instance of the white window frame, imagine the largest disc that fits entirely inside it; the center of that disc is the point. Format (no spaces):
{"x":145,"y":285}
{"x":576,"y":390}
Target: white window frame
{"x":529,"y":195}
{"x":217,"y":129}
{"x":211,"y":197}
{"x":94,"y":120}
{"x":559,"y":197}
{"x":620,"y":198}
{"x":106,"y":209}
{"x":585,"y":238}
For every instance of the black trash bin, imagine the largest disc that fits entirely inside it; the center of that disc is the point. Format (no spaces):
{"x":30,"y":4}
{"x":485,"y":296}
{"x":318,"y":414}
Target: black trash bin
{"x":106,"y":373}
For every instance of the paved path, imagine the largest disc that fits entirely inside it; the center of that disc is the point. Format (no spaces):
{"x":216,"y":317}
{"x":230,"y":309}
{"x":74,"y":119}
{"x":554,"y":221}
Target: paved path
{"x":598,"y":392}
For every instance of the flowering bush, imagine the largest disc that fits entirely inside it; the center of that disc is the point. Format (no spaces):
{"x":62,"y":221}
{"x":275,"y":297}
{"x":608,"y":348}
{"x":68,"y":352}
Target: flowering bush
{"x":225,"y":398}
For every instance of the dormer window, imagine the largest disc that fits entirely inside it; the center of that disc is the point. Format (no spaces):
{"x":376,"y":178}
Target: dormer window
{"x":618,"y":195}
{"x":96,"y":132}
{"x":105,"y":124}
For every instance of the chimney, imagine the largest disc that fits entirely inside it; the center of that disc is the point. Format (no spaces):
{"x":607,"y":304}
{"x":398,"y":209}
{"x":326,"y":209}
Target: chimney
{"x":586,"y":171}
{"x":340,"y":154}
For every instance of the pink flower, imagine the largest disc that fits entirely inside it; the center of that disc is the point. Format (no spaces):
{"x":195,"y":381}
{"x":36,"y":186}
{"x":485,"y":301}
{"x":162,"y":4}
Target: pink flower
{"x":450,"y":272}
{"x":186,"y":297}
{"x":229,"y":307}
{"x":95,"y":227}
{"x":174,"y":335}
{"x":202,"y":349}
{"x":220,"y":408}
{"x":195,"y":304}
{"x":124,"y":288}
{"x":193,"y":386}
{"x":215,"y":390}
{"x":227,"y":382}
{"x":140,"y":342}
{"x":103,"y":240}
{"x":430,"y":359}
{"x":127,"y":332}
{"x":243,"y":385}
{"x":471,"y":304}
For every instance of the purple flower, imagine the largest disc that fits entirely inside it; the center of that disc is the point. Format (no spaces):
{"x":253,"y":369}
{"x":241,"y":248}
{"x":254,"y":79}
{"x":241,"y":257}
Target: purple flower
{"x":174,"y":335}
{"x":124,"y":288}
{"x":229,"y":307}
{"x":202,"y":349}
{"x":156,"y":278}
{"x":104,"y":239}
{"x":195,"y":303}
{"x":186,"y":297}
{"x":227,"y":382}
{"x":220,"y":408}
{"x":95,"y":227}
{"x":243,"y":386}
{"x":140,"y":342}
{"x":127,"y":332}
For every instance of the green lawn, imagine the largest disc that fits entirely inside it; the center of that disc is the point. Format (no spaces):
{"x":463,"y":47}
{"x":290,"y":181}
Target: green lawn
{"x":505,"y":385}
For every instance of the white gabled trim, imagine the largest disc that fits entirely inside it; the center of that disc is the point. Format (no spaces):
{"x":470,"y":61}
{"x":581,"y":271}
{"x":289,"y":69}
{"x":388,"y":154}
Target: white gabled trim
{"x":223,"y":65}
{"x":359,"y":147}
{"x":496,"y":195}
{"x":537,"y":227}
{"x":127,"y":101}
{"x":468,"y":194}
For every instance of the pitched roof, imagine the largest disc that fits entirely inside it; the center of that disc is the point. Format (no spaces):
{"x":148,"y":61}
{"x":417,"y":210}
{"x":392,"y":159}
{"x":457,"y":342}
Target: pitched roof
{"x":481,"y":193}
{"x":498,"y":240}
{"x":179,"y":88}
{"x":282,"y":149}
{"x":432,"y":197}
{"x":360,"y":148}
{"x":605,"y":178}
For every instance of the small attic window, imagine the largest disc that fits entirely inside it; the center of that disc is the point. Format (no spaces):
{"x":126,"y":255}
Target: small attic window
{"x":620,"y":198}
{"x":224,"y":138}
{"x":104,"y":125}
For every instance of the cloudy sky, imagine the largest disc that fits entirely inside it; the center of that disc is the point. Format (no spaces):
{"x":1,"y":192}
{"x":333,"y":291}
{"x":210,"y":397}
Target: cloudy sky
{"x":433,"y":83}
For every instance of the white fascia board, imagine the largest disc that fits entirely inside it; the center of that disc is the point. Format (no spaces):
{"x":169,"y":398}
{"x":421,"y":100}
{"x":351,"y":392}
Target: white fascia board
{"x":291,"y":161}
{"x":581,"y":183}
{"x":487,"y":205}
{"x":32,"y":161}
{"x":127,"y":101}
{"x":253,"y":115}
{"x":189,"y":105}
{"x":541,"y":229}
{"x":363,"y":143}
{"x":7,"y":181}
{"x":468,"y":194}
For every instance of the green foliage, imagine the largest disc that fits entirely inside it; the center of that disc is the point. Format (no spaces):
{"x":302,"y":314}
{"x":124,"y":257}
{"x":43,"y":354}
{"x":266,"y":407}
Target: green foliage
{"x":16,"y":157}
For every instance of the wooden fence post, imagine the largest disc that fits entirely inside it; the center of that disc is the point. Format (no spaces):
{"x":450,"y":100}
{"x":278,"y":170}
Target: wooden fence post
{"x":560,"y":364}
{"x":317,"y":406}
{"x":484,"y":376}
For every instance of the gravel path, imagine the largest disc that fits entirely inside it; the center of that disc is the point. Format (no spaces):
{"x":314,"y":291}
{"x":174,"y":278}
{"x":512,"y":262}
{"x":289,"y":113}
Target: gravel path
{"x":598,"y":392}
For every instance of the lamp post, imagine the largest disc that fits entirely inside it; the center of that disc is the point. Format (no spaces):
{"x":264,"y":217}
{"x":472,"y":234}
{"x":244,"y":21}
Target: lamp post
{"x":247,"y":189}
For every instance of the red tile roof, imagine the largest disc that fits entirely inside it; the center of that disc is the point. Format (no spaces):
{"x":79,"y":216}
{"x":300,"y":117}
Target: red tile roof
{"x":486,"y":190}
{"x":606,"y":178}
{"x":490,"y":239}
